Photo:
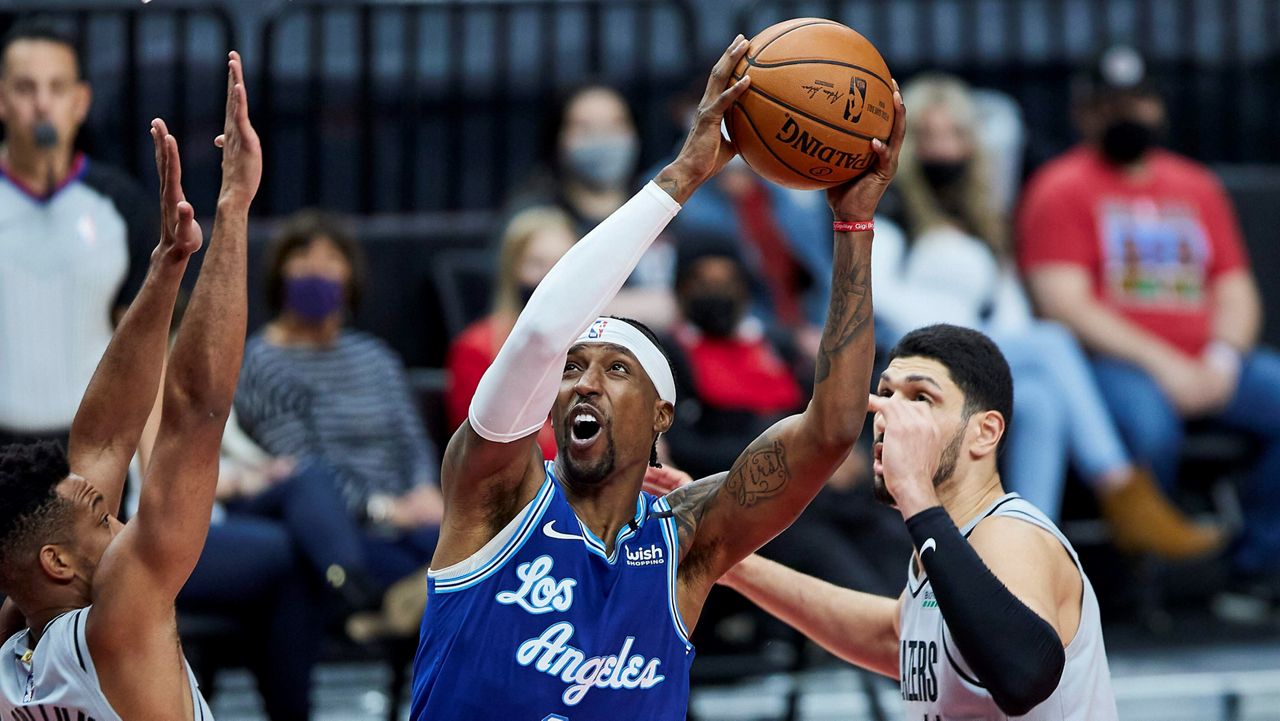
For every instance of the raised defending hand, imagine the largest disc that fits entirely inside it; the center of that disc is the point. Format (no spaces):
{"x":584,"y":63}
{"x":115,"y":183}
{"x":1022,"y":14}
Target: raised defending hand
{"x":908,"y":449}
{"x":857,"y":199}
{"x":706,"y":150}
{"x":180,"y":234}
{"x":241,"y":151}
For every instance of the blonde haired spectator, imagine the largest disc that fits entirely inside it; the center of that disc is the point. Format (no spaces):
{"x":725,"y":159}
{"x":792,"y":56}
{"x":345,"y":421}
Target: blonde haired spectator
{"x":534,"y":239}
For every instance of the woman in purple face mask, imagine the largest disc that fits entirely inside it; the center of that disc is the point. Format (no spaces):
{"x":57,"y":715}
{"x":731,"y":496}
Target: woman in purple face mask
{"x":312,"y":388}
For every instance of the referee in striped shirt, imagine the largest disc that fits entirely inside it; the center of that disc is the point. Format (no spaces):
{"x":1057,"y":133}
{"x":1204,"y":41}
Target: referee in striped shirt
{"x":75,"y":237}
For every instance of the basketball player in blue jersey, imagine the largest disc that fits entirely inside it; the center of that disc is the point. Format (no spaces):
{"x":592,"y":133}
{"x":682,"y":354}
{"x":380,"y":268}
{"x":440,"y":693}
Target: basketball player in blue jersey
{"x":561,"y":590}
{"x":90,"y":630}
{"x":998,"y":619}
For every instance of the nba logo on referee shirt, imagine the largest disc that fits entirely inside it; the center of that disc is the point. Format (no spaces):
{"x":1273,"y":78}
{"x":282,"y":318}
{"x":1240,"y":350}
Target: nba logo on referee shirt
{"x":857,"y":100}
{"x":597,"y":328}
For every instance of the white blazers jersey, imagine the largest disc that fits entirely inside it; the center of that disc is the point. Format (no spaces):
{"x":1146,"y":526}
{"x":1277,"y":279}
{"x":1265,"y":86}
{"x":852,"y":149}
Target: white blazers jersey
{"x":58,"y":682}
{"x":937,"y":684}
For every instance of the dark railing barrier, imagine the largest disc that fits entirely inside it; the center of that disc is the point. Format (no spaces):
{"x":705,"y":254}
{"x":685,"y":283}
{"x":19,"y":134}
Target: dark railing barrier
{"x":1217,"y":63}
{"x":148,"y":61}
{"x":440,"y":105}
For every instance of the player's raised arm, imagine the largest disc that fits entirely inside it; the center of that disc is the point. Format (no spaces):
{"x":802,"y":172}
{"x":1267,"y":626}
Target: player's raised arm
{"x":159,"y":547}
{"x":493,"y":457}
{"x":109,"y":422}
{"x":723,"y":518}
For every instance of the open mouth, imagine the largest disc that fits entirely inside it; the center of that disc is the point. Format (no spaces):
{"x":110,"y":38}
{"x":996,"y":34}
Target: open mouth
{"x":877,"y":455}
{"x":584,"y":426}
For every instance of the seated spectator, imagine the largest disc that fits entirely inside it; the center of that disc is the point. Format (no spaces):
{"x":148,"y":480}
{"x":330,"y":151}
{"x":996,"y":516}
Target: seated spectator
{"x":589,"y":162}
{"x":533,"y":241}
{"x":784,"y":239}
{"x":316,"y":391}
{"x":734,"y":380}
{"x":952,"y":266}
{"x":75,"y":240}
{"x":1136,"y":249}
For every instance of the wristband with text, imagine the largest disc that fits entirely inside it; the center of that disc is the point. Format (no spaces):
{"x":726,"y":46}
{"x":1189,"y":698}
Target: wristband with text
{"x":858,"y":226}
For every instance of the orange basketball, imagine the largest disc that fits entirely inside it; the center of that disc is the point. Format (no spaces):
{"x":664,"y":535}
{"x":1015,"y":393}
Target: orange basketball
{"x":819,"y":93}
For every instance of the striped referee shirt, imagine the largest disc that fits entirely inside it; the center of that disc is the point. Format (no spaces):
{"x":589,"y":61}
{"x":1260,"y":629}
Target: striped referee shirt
{"x":66,"y":261}
{"x":348,"y":404}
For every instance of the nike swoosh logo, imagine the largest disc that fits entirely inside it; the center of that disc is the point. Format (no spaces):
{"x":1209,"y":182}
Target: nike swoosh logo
{"x":929,"y":545}
{"x":551,"y":532}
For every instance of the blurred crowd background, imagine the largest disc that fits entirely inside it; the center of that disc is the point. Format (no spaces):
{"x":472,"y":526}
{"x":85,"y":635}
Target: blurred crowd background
{"x":1096,"y":184}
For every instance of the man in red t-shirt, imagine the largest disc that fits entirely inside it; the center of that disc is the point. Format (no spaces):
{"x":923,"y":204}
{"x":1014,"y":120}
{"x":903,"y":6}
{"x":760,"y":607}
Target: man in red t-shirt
{"x":1137,"y":250}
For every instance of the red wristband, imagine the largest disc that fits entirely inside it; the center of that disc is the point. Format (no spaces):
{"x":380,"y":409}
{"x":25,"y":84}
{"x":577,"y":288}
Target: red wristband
{"x":857,"y":226}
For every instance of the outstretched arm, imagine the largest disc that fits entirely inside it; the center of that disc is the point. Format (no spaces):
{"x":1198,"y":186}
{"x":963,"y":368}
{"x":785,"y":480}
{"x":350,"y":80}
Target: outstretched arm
{"x":723,"y":518}
{"x":492,"y":462}
{"x":155,"y":553}
{"x":109,"y":422}
{"x":860,"y":628}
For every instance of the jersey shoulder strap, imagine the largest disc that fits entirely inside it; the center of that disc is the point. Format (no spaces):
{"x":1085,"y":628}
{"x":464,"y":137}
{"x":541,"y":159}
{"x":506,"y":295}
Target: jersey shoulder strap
{"x":1012,"y":505}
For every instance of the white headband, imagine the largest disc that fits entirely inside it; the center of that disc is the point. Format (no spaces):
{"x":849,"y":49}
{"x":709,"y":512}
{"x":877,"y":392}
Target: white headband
{"x":621,"y":333}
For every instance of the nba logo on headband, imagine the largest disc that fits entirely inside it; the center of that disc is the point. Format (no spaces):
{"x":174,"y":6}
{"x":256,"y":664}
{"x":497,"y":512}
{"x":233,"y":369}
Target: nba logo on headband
{"x":618,"y":332}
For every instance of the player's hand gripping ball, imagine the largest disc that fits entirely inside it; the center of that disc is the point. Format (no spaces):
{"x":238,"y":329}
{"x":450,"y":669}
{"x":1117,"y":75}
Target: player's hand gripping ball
{"x":819,"y":93}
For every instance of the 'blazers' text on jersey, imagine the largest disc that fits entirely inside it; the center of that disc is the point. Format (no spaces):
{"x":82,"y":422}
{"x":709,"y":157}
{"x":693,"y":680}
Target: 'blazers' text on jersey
{"x":937,"y":683}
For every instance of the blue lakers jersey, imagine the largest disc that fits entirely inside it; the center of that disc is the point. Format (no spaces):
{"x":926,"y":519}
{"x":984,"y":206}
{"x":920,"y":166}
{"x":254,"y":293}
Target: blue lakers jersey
{"x":543,"y":625}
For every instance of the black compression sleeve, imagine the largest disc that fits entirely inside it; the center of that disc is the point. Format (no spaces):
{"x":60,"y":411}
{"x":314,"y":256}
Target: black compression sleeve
{"x":1015,"y":653}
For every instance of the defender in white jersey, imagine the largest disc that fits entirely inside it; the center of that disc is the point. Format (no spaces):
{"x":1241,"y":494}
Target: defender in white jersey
{"x":998,"y":619}
{"x":89,"y":623}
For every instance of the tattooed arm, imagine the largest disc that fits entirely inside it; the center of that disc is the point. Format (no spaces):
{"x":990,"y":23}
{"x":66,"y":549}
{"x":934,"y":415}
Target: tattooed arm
{"x":723,"y":518}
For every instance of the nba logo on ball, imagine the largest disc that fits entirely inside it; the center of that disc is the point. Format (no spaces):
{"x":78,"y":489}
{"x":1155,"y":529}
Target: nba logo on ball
{"x":857,"y":100}
{"x":796,"y":125}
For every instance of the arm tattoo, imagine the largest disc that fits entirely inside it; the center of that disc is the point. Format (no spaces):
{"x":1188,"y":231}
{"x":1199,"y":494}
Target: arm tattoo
{"x":670,"y":185}
{"x":688,"y":504}
{"x":760,"y":472}
{"x":850,"y":307}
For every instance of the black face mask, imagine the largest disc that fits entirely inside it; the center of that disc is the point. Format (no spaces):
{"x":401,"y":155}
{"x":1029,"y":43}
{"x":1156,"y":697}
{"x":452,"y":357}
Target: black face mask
{"x":524,"y":293}
{"x":715,"y":314}
{"x":1125,"y":141}
{"x":943,"y":174}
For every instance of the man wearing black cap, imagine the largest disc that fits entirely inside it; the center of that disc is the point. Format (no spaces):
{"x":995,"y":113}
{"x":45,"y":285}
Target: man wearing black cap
{"x":72,"y":232}
{"x":1137,"y":250}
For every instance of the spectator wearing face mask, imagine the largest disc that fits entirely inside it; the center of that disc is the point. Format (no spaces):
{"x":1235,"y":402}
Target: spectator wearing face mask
{"x":734,"y":378}
{"x":1137,"y":250}
{"x":590,"y":156}
{"x":533,"y":241}
{"x":953,"y":265}
{"x":314,"y":390}
{"x":779,"y":232}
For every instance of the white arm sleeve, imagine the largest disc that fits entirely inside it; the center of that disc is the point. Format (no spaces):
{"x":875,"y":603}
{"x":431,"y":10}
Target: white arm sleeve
{"x":517,"y":391}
